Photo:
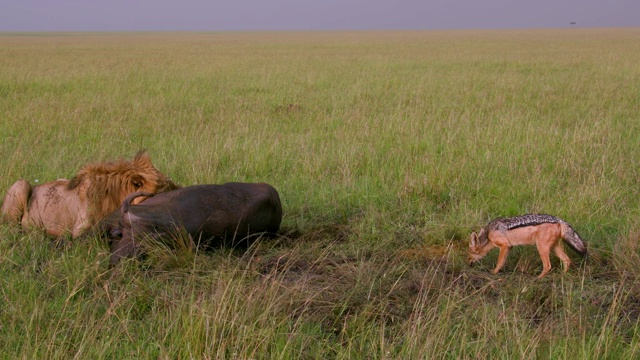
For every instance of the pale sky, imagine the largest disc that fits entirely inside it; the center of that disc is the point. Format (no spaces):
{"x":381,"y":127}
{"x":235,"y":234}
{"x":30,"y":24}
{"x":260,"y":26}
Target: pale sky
{"x":252,"y":15}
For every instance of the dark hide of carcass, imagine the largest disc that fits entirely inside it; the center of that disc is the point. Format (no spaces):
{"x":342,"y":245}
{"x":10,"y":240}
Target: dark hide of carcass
{"x":209,"y":214}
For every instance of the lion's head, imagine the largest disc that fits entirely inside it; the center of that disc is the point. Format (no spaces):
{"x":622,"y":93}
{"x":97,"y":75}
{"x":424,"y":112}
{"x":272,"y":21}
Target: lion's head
{"x":105,"y":185}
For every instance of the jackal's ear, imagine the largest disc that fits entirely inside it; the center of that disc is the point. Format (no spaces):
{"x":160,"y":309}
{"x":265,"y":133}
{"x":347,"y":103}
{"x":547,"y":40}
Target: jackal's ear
{"x":473,"y":240}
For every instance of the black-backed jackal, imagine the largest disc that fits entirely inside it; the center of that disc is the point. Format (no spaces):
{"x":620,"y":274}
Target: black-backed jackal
{"x":544,"y":231}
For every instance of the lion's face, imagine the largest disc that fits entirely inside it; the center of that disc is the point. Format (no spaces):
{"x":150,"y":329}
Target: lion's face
{"x":145,"y":177}
{"x":152,"y":182}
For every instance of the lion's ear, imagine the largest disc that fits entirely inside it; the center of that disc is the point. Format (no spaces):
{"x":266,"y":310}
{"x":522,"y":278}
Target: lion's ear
{"x":137,"y":182}
{"x":142,"y":157}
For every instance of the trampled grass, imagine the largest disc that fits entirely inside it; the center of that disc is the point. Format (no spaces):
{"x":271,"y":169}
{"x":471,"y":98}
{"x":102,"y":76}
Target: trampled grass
{"x":387,"y":148}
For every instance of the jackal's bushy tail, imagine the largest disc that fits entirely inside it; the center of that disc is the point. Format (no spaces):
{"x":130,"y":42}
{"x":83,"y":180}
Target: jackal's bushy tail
{"x":572,"y":238}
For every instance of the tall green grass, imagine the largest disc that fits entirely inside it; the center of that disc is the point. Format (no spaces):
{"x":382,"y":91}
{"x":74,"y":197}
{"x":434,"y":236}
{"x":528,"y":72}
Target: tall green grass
{"x":387,"y":148}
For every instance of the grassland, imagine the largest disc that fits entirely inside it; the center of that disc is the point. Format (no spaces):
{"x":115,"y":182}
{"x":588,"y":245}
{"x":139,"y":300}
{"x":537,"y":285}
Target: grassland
{"x":387,"y":148}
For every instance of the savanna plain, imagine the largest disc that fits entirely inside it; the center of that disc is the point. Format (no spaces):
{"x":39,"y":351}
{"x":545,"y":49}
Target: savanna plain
{"x":387,"y":148}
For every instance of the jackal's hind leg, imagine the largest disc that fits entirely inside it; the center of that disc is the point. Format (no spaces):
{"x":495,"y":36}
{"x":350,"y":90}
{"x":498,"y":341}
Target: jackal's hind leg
{"x":559,"y":251}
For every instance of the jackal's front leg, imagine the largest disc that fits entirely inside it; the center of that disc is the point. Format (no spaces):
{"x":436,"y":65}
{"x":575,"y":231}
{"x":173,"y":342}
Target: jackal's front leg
{"x":502,"y":258}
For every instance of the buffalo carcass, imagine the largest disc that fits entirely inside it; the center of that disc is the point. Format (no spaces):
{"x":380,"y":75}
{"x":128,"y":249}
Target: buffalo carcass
{"x":209,"y":214}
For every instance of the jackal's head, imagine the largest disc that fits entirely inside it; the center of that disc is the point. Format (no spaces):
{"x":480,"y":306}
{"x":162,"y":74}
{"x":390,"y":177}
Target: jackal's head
{"x":476,"y":246}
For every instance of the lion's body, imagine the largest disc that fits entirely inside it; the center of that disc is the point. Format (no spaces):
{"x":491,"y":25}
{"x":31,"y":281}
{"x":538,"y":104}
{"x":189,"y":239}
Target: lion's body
{"x":56,"y":209}
{"x":73,"y":206}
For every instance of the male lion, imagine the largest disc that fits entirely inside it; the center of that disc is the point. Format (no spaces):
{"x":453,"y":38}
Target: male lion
{"x":73,"y":206}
